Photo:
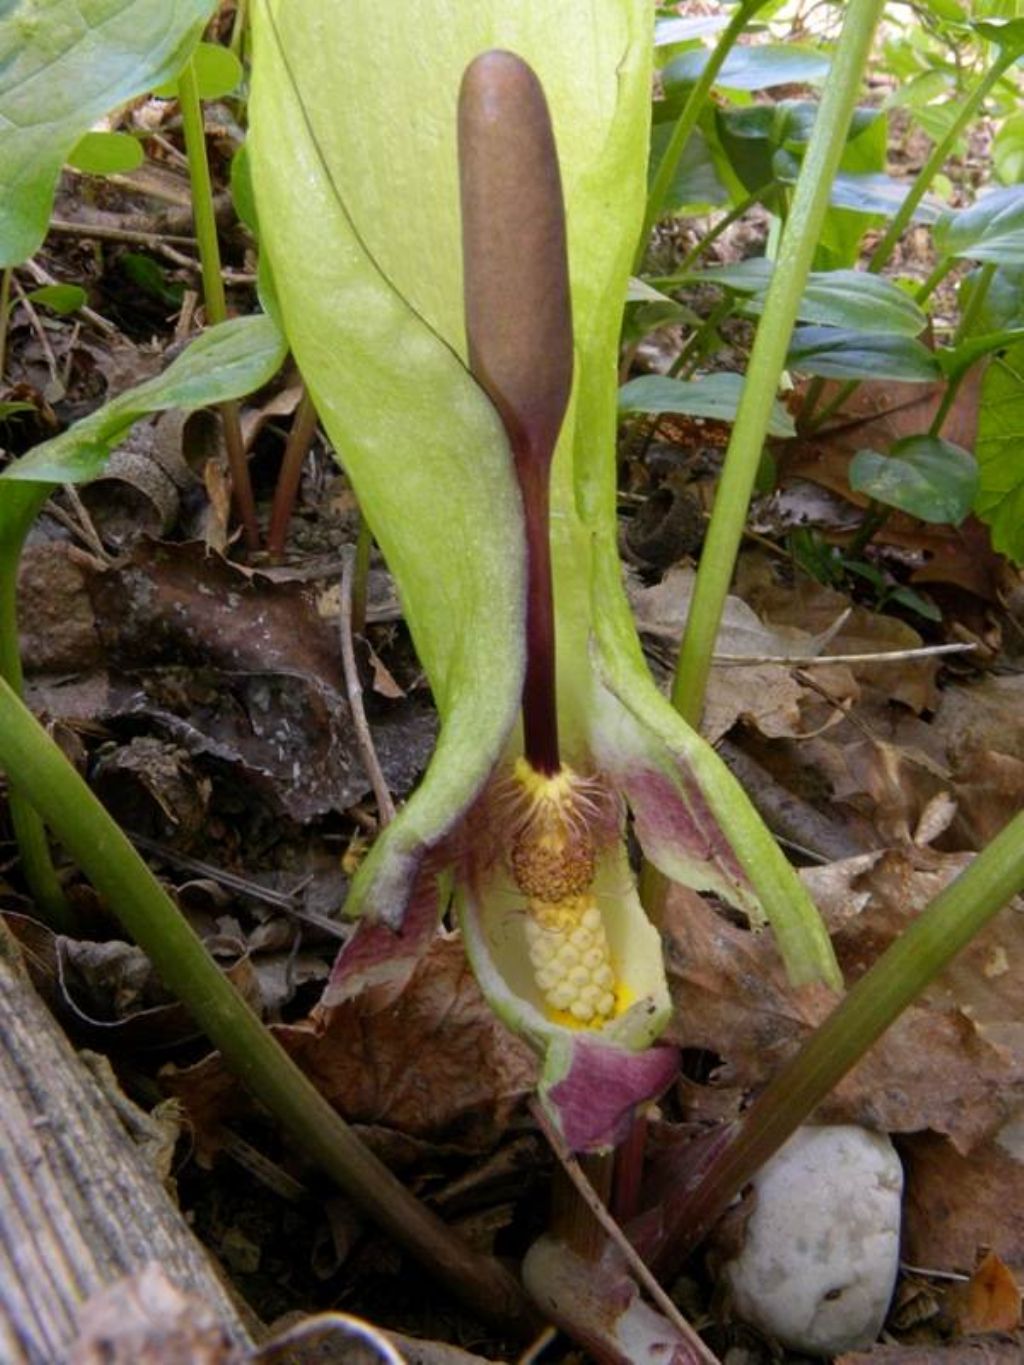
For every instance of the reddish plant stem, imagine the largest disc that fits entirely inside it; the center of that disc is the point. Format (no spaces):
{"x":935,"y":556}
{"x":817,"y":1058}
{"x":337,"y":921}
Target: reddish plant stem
{"x":540,"y":709}
{"x":299,"y":440}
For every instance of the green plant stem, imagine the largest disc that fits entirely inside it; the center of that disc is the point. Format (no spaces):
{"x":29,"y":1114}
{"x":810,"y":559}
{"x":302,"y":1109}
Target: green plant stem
{"x":928,"y":288}
{"x":967,"y":319}
{"x":687,"y":122}
{"x":698,"y":341}
{"x":238,"y":29}
{"x":796,"y":250}
{"x":923,"y":951}
{"x":33,"y":845}
{"x":296,"y":448}
{"x":213,"y":288}
{"x":875,"y":517}
{"x":5,"y":307}
{"x":361,"y":576}
{"x":968,"y":108}
{"x":249,"y":1049}
{"x":764,"y":195}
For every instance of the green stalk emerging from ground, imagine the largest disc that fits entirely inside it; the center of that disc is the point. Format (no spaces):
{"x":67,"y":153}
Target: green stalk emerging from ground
{"x":796,"y":251}
{"x":133,"y":893}
{"x":213,"y":288}
{"x":684,"y":125}
{"x":879,"y":997}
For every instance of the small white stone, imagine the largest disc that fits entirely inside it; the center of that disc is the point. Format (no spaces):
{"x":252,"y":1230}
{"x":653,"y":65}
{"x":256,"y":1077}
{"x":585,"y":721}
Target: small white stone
{"x":821,"y":1251}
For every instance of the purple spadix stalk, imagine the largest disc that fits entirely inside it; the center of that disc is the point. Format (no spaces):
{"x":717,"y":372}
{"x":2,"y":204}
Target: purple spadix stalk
{"x":519,"y":325}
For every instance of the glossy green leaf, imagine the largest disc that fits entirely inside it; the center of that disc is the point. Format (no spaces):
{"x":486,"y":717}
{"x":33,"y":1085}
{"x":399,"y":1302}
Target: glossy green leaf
{"x":930,"y":478}
{"x":712,"y":396}
{"x":835,"y":353}
{"x":992,"y":229}
{"x":107,"y":154}
{"x":63,"y":64}
{"x":875,"y":193}
{"x":950,"y":10}
{"x":1005,"y":33}
{"x":241,"y":190}
{"x":687,"y":28}
{"x":696,"y":183}
{"x":218,"y":72}
{"x":852,"y":299}
{"x":61,"y":298}
{"x":224,"y":362}
{"x":1002,"y":307}
{"x":955,"y":360}
{"x":999,"y":443}
{"x":1008,"y":150}
{"x":752,"y":67}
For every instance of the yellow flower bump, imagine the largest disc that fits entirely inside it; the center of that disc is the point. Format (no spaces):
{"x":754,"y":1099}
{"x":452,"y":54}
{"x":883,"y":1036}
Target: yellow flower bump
{"x":551,"y":857}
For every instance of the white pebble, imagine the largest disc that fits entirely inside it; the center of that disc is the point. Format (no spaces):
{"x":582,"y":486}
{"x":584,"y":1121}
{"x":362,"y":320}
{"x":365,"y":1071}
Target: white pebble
{"x":821,"y":1250}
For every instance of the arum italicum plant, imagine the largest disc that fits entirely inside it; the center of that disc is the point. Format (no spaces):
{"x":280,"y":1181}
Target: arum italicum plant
{"x":469,"y":387}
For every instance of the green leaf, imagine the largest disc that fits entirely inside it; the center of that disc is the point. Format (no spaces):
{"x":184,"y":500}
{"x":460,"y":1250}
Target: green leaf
{"x":1000,"y":440}
{"x":956,"y":359}
{"x":990,"y":230}
{"x":1008,"y":150}
{"x":152,"y":278}
{"x":224,"y":362}
{"x":241,"y":190}
{"x":696,"y":183}
{"x":685,"y":30}
{"x":949,"y":10}
{"x":1005,"y":33}
{"x":835,"y":353}
{"x":63,"y":64}
{"x":62,"y":298}
{"x":752,"y":67}
{"x":852,"y":299}
{"x":218,"y":72}
{"x":875,"y":193}
{"x":106,"y":154}
{"x":930,"y":478}
{"x":713,"y":396}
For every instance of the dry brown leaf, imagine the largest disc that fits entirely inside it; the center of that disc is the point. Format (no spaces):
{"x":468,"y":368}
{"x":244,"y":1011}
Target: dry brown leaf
{"x":436,"y":1064}
{"x":809,"y":605}
{"x":230,"y":664}
{"x":957,"y":1205}
{"x":991,"y":1300}
{"x":765,"y":695}
{"x":144,"y":1319}
{"x":953,"y":1062}
{"x":960,"y":1353}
